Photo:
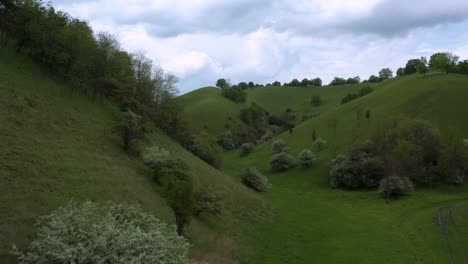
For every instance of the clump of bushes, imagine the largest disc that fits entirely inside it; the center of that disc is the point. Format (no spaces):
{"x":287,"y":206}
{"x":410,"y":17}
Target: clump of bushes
{"x":228,"y":140}
{"x":267,"y":136}
{"x":395,"y":186}
{"x":247,"y":148}
{"x":208,"y":201}
{"x":235,"y":94}
{"x":279,"y":146}
{"x":207,"y":150}
{"x":306,"y":158}
{"x":109,"y":233}
{"x":252,"y":178}
{"x":319,"y":144}
{"x":130,"y":128}
{"x":281,"y":162}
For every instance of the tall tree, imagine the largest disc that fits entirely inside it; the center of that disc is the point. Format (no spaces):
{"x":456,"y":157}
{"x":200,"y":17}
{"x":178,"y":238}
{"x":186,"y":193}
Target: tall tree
{"x":422,"y":66}
{"x":222,"y":83}
{"x":443,"y":61}
{"x":385,"y":74}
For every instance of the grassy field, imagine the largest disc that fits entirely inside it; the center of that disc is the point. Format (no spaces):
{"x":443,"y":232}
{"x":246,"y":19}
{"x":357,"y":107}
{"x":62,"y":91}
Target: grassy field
{"x":58,"y":145}
{"x":316,"y":224}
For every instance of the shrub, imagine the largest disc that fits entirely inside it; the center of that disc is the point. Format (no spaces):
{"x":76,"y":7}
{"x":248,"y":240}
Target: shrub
{"x":365,"y":90}
{"x":343,"y":174}
{"x":306,"y":158}
{"x":279,"y":146}
{"x":395,"y":186}
{"x":208,"y":201}
{"x":281,"y":162}
{"x":228,"y":141}
{"x":349,"y":97}
{"x":316,"y":100}
{"x":319,"y":145}
{"x":235,"y":94}
{"x":267,"y":136}
{"x":156,"y":157}
{"x":92,"y":233}
{"x":130,"y":128}
{"x":254,"y":179}
{"x":247,"y":148}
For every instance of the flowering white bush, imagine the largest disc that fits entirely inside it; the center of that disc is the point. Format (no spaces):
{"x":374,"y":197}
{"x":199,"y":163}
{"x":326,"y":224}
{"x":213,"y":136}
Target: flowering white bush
{"x":306,"y":158}
{"x":155,"y":157}
{"x":110,"y":233}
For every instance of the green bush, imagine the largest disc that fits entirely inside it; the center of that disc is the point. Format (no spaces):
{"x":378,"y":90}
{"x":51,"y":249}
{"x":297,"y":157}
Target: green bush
{"x":228,"y":141}
{"x":319,"y":145}
{"x":279,"y":146}
{"x":267,"y":136}
{"x":306,"y":158}
{"x":208,"y":201}
{"x":247,"y":148}
{"x":254,"y":179}
{"x":207,"y":150}
{"x":235,"y":94}
{"x":130,"y":128}
{"x":395,"y":186}
{"x":281,"y":162}
{"x":110,"y":233}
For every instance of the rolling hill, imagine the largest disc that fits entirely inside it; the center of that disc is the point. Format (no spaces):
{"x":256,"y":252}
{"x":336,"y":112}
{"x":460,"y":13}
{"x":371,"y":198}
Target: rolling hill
{"x":58,"y":145}
{"x":314,"y":223}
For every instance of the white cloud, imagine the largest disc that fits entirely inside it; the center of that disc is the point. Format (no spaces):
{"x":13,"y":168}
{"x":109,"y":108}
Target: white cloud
{"x":264,"y":41}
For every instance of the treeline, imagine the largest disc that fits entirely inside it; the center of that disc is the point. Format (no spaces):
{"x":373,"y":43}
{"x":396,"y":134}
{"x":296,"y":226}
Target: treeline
{"x":96,"y":64}
{"x":442,"y":61}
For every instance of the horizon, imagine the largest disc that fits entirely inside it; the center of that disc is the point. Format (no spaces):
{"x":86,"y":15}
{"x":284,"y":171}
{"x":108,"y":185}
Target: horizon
{"x":264,"y":42}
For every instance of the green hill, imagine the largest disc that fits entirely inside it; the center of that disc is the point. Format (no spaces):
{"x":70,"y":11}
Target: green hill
{"x":315,"y":223}
{"x":207,"y":110}
{"x":58,"y":145}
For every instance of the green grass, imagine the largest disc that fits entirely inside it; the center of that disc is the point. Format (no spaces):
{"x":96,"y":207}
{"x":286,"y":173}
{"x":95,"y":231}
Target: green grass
{"x":58,"y":145}
{"x":316,"y":224}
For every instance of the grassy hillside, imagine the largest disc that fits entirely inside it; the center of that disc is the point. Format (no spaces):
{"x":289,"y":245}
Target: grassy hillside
{"x":58,"y":145}
{"x":314,"y":223}
{"x":207,"y":110}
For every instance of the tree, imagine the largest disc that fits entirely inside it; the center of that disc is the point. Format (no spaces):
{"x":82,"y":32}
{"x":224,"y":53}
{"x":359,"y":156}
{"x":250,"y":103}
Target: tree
{"x":276,"y":83}
{"x":251,"y":85}
{"x":317,"y":82}
{"x":368,"y":115}
{"x":306,"y":158}
{"x":463,"y":67}
{"x":247,"y":148}
{"x":178,"y":189}
{"x":243,"y":85}
{"x":235,"y":94}
{"x":395,"y":186}
{"x":443,"y":61}
{"x":386,"y":74}
{"x":316,"y":100}
{"x":222,"y":83}
{"x":400,"y":72}
{"x":354,"y":80}
{"x":314,"y":135}
{"x":295,"y":82}
{"x":338,"y":81}
{"x":305,"y":82}
{"x":411,"y":66}
{"x":422,"y":66}
{"x":104,"y":233}
{"x":130,"y":128}
{"x":279,"y":146}
{"x":374,"y":79}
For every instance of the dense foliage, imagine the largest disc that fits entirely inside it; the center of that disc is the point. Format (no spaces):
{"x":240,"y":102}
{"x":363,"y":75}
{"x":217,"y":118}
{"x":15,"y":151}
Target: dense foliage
{"x":395,"y":186}
{"x":252,"y":178}
{"x":306,"y":158}
{"x":281,"y":162}
{"x":247,"y":148}
{"x":109,"y":233}
{"x":235,"y":94}
{"x":279,"y":146}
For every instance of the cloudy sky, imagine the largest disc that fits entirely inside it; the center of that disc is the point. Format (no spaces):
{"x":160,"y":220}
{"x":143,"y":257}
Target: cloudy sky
{"x":268,"y":40}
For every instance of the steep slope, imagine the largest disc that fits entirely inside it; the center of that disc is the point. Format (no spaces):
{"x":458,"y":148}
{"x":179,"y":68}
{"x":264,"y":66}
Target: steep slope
{"x":58,"y":145}
{"x":314,"y":223}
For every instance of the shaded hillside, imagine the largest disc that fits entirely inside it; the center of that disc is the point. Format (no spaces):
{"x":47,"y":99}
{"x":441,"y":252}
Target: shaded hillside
{"x":58,"y":145}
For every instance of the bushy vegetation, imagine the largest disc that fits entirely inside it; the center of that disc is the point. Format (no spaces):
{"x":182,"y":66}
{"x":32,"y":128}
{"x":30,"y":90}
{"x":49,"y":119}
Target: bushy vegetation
{"x":279,"y":146}
{"x":252,"y":178}
{"x":353,"y":96}
{"x":281,"y":162}
{"x":130,"y":128}
{"x":209,"y":202}
{"x":109,"y":233}
{"x":228,"y":140}
{"x":319,"y":144}
{"x":306,"y":158}
{"x":235,"y":94}
{"x":395,"y":186}
{"x":316,"y":100}
{"x":206,"y":149}
{"x":412,"y":148}
{"x":247,"y":148}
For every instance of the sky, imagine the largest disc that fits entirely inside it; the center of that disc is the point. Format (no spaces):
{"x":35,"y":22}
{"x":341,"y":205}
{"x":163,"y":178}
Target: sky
{"x":264,"y":41}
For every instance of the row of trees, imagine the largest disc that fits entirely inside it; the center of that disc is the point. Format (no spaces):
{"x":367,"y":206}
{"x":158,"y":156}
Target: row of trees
{"x":442,"y":61}
{"x":224,"y":83}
